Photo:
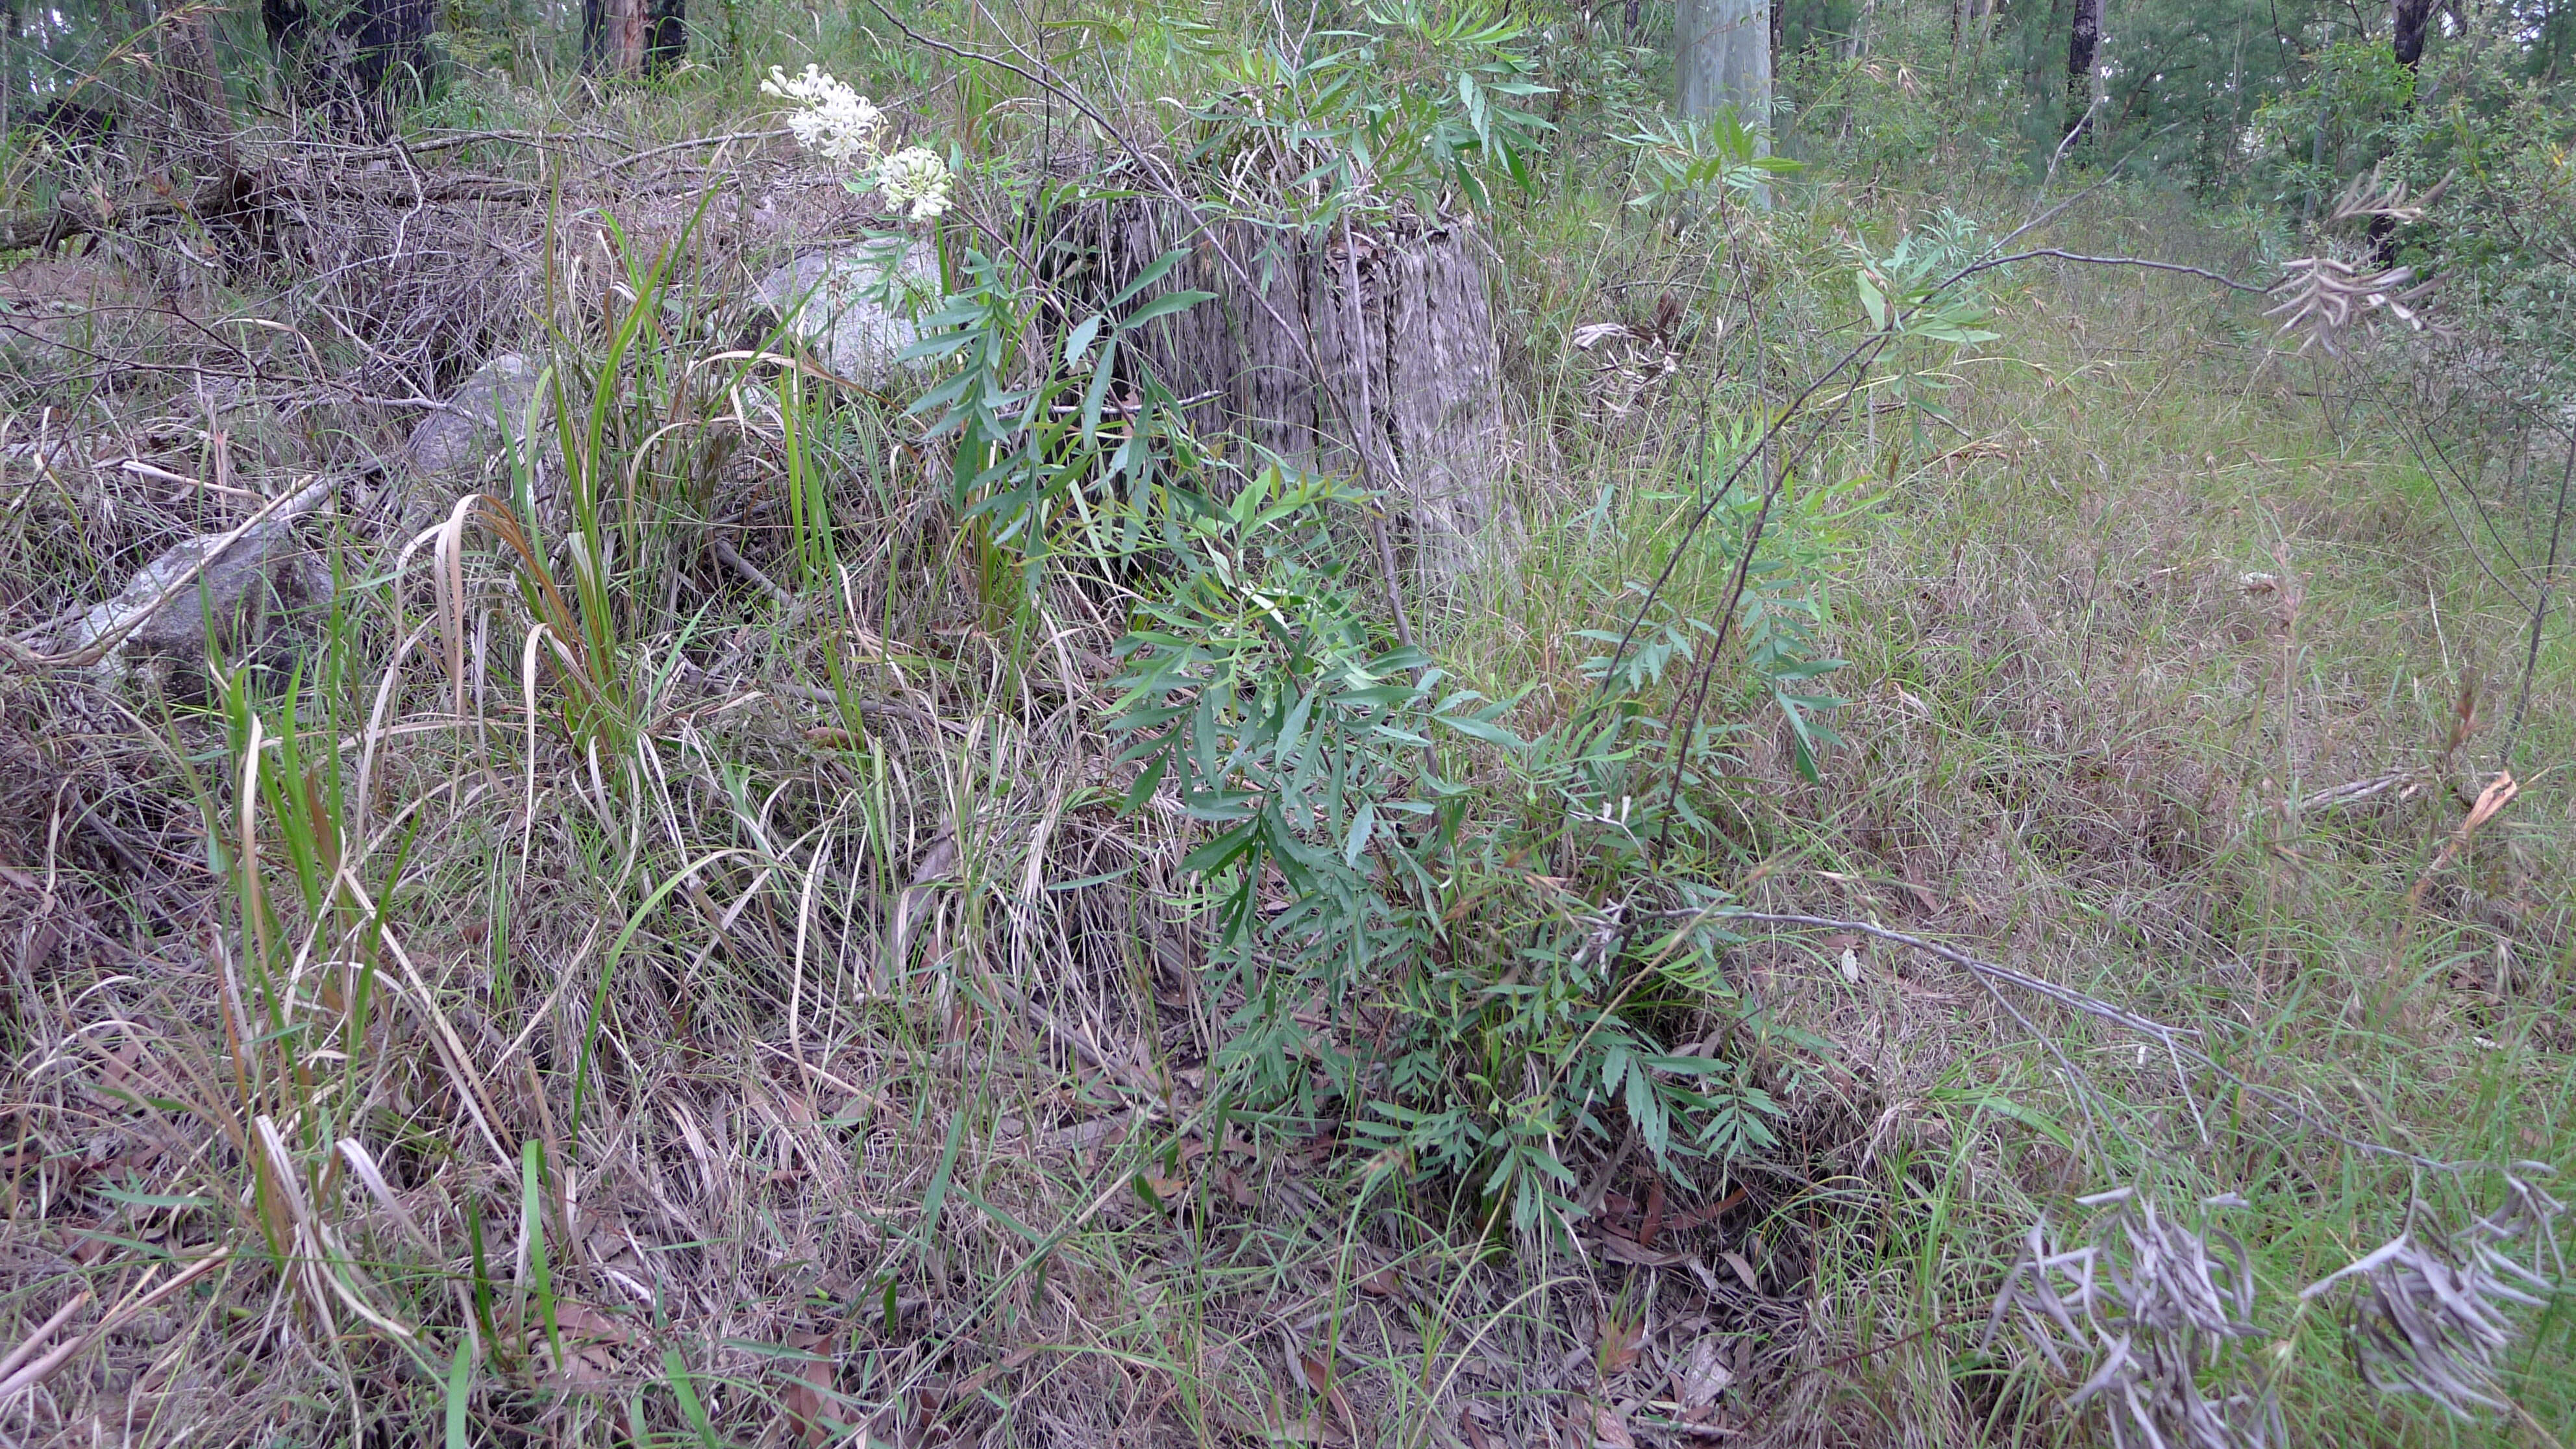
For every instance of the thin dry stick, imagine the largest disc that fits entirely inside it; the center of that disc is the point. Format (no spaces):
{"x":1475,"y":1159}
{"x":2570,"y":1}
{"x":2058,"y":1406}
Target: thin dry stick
{"x":45,"y":1368}
{"x":44,"y":1334}
{"x":2170,"y":1036}
{"x":26,"y":656}
{"x":2151,"y":265}
{"x":1364,"y":427}
{"x":2539,"y":612}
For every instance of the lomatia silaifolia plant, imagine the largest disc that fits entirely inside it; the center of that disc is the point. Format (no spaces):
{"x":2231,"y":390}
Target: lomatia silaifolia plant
{"x":837,"y":123}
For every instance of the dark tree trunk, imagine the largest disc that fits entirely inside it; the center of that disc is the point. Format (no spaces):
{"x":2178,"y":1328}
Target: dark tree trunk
{"x":359,"y":60}
{"x":1403,"y":385}
{"x":633,"y":37}
{"x":2408,"y":21}
{"x":2083,"y":45}
{"x":1779,"y":34}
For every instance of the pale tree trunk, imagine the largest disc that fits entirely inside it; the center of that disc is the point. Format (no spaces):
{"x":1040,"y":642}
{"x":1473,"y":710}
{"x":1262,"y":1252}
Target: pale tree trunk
{"x":200,"y":116}
{"x":8,"y":62}
{"x":1722,"y":57}
{"x":1856,"y":44}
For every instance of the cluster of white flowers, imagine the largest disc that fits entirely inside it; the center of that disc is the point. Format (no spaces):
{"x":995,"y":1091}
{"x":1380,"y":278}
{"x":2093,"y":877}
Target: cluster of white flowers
{"x":836,"y":122}
{"x":915,"y":177}
{"x":833,"y":120}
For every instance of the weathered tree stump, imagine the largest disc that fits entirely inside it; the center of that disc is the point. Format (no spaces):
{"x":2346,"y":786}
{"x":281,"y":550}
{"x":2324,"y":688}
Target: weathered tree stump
{"x":1405,"y":389}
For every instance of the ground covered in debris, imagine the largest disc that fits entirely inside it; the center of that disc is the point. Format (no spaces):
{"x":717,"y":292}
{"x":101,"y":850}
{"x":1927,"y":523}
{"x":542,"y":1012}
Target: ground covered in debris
{"x":576,"y":866}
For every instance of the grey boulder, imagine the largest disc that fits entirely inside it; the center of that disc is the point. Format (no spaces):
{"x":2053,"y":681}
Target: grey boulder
{"x":856,"y":305}
{"x":237,"y":591}
{"x":463,"y":433}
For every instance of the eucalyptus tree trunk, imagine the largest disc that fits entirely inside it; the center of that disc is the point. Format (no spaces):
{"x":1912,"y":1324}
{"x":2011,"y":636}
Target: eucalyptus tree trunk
{"x":633,"y":37}
{"x":2083,"y":50}
{"x":200,"y":113}
{"x":1722,"y":57}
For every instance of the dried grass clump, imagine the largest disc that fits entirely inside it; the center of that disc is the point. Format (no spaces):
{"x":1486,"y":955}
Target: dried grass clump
{"x":2324,"y":296}
{"x":2151,"y":1304}
{"x":2147,"y":1308}
{"x":2432,"y":1318}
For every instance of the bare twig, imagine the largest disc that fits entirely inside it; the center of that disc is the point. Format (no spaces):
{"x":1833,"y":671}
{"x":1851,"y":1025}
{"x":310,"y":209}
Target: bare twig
{"x":751,"y":573}
{"x":2173,"y":1038}
{"x":2539,"y":612}
{"x":2150,"y":264}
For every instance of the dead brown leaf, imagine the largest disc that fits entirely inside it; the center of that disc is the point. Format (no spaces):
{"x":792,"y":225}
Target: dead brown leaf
{"x":1598,"y":1425}
{"x":1700,"y":1375}
{"x":813,"y":1399}
{"x":1237,"y":1191}
{"x":580,"y":1320}
{"x":1697,"y":1216}
{"x":1620,"y":1248}
{"x":1319,"y":1377}
{"x":1743,"y":1269}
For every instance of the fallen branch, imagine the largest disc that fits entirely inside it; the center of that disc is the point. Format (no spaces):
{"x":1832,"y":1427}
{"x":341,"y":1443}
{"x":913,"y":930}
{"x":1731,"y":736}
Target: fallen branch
{"x":2153,"y":266}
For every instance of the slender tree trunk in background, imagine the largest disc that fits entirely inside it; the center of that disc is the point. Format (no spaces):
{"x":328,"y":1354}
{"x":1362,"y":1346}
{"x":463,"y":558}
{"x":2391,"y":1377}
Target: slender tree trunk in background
{"x":200,"y":115}
{"x":2407,"y":22}
{"x":633,"y":37}
{"x":1722,"y":57}
{"x":2039,"y":73}
{"x":8,"y":61}
{"x":2083,"y":45}
{"x":1857,"y":44}
{"x":357,"y":59}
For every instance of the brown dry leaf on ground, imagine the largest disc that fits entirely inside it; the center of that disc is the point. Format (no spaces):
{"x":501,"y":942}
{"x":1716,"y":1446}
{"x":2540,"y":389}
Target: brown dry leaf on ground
{"x":1319,"y":1377}
{"x":1699,"y":1375}
{"x":813,"y":1398}
{"x":1597,"y":1426}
